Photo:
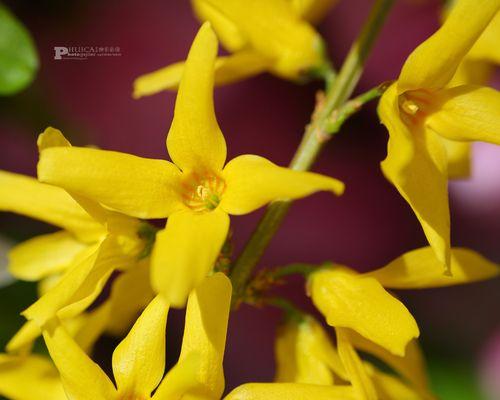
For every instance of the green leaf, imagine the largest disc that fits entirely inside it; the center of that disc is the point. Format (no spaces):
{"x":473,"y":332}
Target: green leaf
{"x":18,"y":56}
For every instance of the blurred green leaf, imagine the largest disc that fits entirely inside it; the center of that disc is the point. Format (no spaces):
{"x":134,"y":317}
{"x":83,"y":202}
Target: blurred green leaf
{"x":454,"y":379}
{"x":18,"y":56}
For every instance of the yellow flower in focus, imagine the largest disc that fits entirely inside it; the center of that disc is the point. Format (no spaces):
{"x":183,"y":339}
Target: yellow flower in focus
{"x":196,"y":192}
{"x":360,"y":302}
{"x":423,"y":114}
{"x":139,"y":360}
{"x":261,"y":35}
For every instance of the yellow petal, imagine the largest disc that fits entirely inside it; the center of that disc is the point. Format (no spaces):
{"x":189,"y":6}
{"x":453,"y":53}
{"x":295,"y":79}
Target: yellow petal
{"x":29,"y":378}
{"x":82,"y":378}
{"x":304,"y":354}
{"x":312,"y":10}
{"x":185,"y":252}
{"x":415,"y":160}
{"x":81,"y":285}
{"x":87,"y":327}
{"x":291,"y":391}
{"x":459,"y":158}
{"x":356,"y":371}
{"x":26,"y":196}
{"x":22,"y":341}
{"x":130,"y":294}
{"x":228,"y":69}
{"x":140,"y":187}
{"x":349,"y":300}
{"x":139,"y":360}
{"x":472,"y":72}
{"x":227,"y":31}
{"x":273,"y":29}
{"x":468,"y":113}
{"x":389,"y":387}
{"x":44,"y":255}
{"x":195,"y":141}
{"x":205,"y":330}
{"x":182,"y":378}
{"x":434,"y":62}
{"x":412,"y":366}
{"x":421,"y":269}
{"x":253,"y":181}
{"x":486,"y":48}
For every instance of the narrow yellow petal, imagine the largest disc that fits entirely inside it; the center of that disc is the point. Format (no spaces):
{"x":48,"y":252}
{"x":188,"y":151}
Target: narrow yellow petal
{"x":486,"y":48}
{"x":130,"y":294}
{"x":139,"y":360}
{"x":88,"y":327}
{"x":22,"y":341}
{"x":416,"y":160}
{"x":140,"y":187}
{"x":195,"y":141}
{"x":312,"y":10}
{"x":29,"y":378}
{"x":227,"y":31}
{"x":389,"y":387}
{"x":356,"y":371}
{"x":185,"y":252}
{"x":349,"y":300}
{"x":253,"y":181}
{"x":421,"y":269}
{"x":468,"y":113}
{"x":51,"y":137}
{"x":472,"y":72}
{"x":82,"y":378}
{"x":44,"y":255}
{"x":182,"y":378}
{"x":81,"y":285}
{"x":433,"y":63}
{"x":205,"y":329}
{"x":26,"y":196}
{"x":459,"y":158}
{"x":228,"y":69}
{"x":304,"y":354}
{"x":412,"y":366}
{"x":291,"y":391}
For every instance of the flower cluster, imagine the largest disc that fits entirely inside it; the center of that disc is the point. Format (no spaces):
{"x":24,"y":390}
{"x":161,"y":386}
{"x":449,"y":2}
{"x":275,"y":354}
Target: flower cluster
{"x":108,"y":264}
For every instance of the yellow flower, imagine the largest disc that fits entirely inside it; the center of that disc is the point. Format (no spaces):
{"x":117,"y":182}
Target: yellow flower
{"x":262,"y":35}
{"x":421,"y":114}
{"x":360,"y":302}
{"x":196,"y":193}
{"x":29,"y":378}
{"x":139,"y":360}
{"x":305,"y":354}
{"x":73,"y":265}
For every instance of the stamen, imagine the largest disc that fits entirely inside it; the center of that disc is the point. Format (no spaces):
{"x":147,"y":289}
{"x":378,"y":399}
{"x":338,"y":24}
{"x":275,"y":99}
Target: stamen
{"x":202,"y":192}
{"x":410,"y":107}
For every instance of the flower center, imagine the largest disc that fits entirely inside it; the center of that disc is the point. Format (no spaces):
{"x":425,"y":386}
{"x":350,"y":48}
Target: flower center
{"x":203,"y":192}
{"x":414,"y":106}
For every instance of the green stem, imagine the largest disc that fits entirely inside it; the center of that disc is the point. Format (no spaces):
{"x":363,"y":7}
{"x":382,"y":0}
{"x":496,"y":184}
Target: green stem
{"x":313,"y":141}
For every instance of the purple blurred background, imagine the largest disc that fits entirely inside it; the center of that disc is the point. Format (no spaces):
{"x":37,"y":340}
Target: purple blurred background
{"x":371,"y":224}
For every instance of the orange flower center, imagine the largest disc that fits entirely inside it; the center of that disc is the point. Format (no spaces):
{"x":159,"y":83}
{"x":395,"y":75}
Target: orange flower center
{"x":414,"y":106}
{"x":202,"y":192}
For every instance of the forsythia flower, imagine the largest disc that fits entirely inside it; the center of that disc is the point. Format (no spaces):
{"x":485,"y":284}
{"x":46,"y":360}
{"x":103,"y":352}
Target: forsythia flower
{"x":421,"y":114}
{"x":139,"y":360}
{"x":262,"y":35}
{"x":196,"y":193}
{"x":360,"y":302}
{"x":305,"y":354}
{"x":74,"y":265}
